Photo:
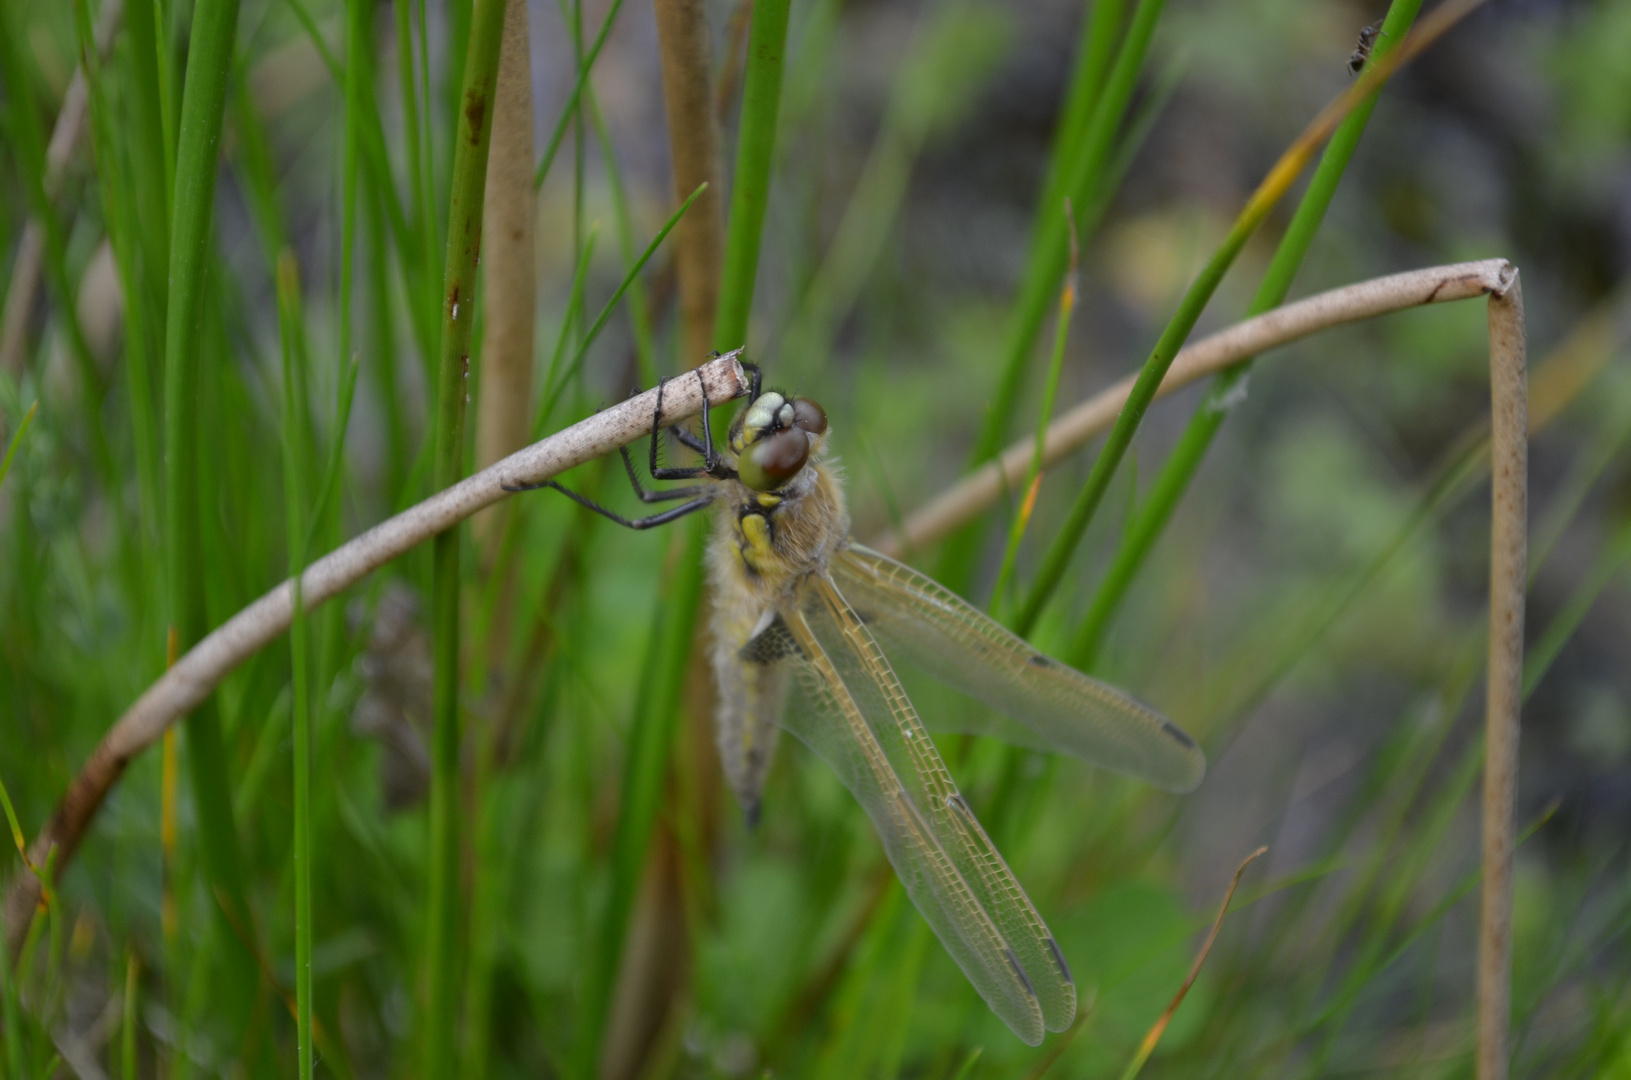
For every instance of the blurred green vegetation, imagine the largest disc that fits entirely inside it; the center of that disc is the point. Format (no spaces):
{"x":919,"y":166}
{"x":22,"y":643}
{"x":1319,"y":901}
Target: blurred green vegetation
{"x":1313,"y":612}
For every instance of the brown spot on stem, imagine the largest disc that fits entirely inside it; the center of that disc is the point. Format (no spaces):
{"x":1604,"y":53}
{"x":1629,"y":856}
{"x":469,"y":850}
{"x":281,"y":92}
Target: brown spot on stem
{"x":475,"y":114}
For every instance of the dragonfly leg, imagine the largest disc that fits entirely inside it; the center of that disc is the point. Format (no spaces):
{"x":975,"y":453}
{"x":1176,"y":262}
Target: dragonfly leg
{"x":611,"y":515}
{"x":711,"y":463}
{"x":645,"y":496}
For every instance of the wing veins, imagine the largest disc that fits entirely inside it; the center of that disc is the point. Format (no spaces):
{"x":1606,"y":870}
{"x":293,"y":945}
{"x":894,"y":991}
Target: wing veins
{"x":999,"y":891}
{"x":967,"y":915}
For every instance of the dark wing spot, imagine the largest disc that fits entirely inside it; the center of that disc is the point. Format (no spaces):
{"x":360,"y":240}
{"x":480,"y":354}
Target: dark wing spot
{"x":1177,"y":734}
{"x":775,"y":642}
{"x":1014,"y":962}
{"x":1059,"y":958}
{"x":1038,"y":660}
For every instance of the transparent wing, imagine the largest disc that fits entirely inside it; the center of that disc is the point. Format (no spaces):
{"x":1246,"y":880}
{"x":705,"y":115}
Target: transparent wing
{"x":1050,"y":705}
{"x":860,"y":721}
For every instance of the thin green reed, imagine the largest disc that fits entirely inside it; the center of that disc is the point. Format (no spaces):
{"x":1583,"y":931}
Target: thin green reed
{"x":296,"y":469}
{"x":570,"y":109}
{"x":125,"y":237}
{"x":556,"y":383}
{"x":1100,"y":31}
{"x":150,"y":180}
{"x":1084,"y":163}
{"x":1050,"y":392}
{"x":656,"y":718}
{"x":1156,"y":511}
{"x":1257,"y":208}
{"x":167,"y":60}
{"x":210,"y":60}
{"x":645,"y":345}
{"x":21,"y":123}
{"x":1082,"y":155}
{"x":750,"y":184}
{"x":458,"y":300}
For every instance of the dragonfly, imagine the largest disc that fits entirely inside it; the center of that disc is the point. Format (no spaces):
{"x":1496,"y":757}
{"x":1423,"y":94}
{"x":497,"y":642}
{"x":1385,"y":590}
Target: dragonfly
{"x":799,"y":605}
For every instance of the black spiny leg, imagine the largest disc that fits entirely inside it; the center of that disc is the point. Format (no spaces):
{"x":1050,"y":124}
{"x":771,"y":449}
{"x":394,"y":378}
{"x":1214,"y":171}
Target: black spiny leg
{"x":700,"y":495}
{"x":635,"y":523}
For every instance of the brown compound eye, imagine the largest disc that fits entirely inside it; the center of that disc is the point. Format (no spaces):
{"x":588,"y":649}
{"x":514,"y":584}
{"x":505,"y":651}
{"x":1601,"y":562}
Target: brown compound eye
{"x":769,"y":464}
{"x":809,"y":416}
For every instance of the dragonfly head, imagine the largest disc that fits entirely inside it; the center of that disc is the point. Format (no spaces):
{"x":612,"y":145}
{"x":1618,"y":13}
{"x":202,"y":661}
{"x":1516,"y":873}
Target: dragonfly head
{"x":774,"y":438}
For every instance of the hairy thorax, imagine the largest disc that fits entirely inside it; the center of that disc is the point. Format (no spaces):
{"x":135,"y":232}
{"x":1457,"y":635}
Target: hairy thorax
{"x":766,"y":542}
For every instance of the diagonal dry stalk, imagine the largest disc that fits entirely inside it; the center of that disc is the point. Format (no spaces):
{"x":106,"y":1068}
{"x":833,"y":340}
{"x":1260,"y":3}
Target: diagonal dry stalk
{"x":197,"y":673}
{"x":971,"y":496}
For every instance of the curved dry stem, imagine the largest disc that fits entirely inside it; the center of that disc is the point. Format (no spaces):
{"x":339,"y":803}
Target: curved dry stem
{"x":1508,"y":542}
{"x":970,"y":497}
{"x":196,"y":674}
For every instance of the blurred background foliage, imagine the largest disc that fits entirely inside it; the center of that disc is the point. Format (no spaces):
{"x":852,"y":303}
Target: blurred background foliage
{"x":1314,"y":613}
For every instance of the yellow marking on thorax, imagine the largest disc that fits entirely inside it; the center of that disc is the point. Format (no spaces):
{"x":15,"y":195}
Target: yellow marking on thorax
{"x":753,"y":531}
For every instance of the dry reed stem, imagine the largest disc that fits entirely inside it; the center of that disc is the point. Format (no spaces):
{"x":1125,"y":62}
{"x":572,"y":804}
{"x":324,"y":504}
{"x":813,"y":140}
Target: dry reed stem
{"x":1507,"y":546}
{"x":25,"y":274}
{"x":505,"y":391}
{"x":644,"y":990}
{"x":967,"y":499}
{"x":693,"y":141}
{"x":197,"y":673}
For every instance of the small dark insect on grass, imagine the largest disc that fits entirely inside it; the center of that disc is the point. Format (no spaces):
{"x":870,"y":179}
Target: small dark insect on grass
{"x":1367,"y":42}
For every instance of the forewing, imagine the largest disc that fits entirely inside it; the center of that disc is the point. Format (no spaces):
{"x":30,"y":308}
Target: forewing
{"x":861,"y":722}
{"x":1049,"y":705}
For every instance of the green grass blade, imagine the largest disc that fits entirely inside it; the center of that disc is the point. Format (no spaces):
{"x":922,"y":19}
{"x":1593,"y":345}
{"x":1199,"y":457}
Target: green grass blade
{"x":557,"y":385}
{"x":553,"y":384}
{"x":11,"y":452}
{"x":1173,"y":480}
{"x":1544,"y":651}
{"x":210,"y":60}
{"x":656,"y":718}
{"x":1079,"y":162}
{"x":296,"y":466}
{"x":570,"y":109}
{"x":1081,"y":174}
{"x":1121,"y":435}
{"x":1050,"y":391}
{"x":1101,"y":29}
{"x":127,"y":1028}
{"x":459,"y":312}
{"x":750,"y":184}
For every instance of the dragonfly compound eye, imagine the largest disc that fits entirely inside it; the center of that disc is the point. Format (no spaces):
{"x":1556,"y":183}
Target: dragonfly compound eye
{"x":809,"y":416}
{"x":769,"y":464}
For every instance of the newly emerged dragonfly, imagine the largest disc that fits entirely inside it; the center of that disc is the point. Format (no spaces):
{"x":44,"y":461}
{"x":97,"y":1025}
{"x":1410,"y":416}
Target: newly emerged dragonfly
{"x":796,"y":601}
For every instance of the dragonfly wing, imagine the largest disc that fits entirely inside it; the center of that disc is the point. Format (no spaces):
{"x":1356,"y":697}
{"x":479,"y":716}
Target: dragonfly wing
{"x":861,"y":722}
{"x":1050,"y":705}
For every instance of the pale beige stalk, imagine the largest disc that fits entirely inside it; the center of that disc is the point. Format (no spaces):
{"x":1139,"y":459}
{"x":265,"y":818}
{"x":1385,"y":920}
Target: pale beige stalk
{"x":1509,"y":461}
{"x":505,"y":391}
{"x":197,"y":673}
{"x":693,"y":141}
{"x":970,"y":497}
